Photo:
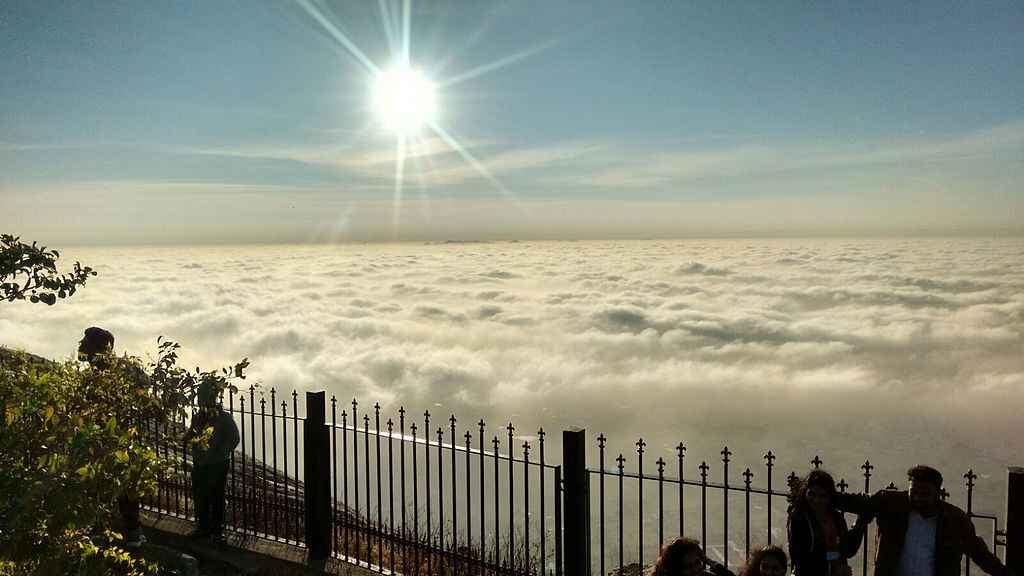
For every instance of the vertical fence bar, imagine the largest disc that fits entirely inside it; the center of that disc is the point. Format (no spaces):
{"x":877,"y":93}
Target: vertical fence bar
{"x":334,"y":474}
{"x":725,"y":505}
{"x":511,"y":500}
{"x":369,"y":510}
{"x":263,"y":462}
{"x":526,"y":506}
{"x":747,"y":476}
{"x":284,"y":440}
{"x":601,"y":441}
{"x":440,"y":497}
{"x":558,"y":522}
{"x":401,"y":456}
{"x":769,"y":459}
{"x":543,"y":512}
{"x":483,"y":504}
{"x":273,"y":452}
{"x":344,"y":479}
{"x":391,"y":496}
{"x":316,"y":442}
{"x":621,"y":461}
{"x":867,"y":467}
{"x":497,"y":508}
{"x":640,"y":444}
{"x":426,"y":485}
{"x":252,"y":452}
{"x":681,"y":454}
{"x":661,"y":501}
{"x":241,"y":407}
{"x":576,"y":504}
{"x":415,"y":503}
{"x":234,"y":502}
{"x":704,"y":507}
{"x":295,"y":441}
{"x":455,"y":502}
{"x":184,"y":468}
{"x":970,"y":477}
{"x":356,"y":516}
{"x":469,"y":494}
{"x":380,"y":523}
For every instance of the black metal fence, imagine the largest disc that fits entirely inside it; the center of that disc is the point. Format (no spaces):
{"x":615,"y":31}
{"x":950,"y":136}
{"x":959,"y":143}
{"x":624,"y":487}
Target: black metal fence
{"x":421,"y":495}
{"x":635,"y":511}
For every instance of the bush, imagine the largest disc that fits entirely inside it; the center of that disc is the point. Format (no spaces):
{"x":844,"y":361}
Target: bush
{"x":73,"y":439}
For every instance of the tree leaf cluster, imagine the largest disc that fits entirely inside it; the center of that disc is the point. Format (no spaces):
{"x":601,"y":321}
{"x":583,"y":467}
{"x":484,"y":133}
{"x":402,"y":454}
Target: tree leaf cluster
{"x":29,"y":272}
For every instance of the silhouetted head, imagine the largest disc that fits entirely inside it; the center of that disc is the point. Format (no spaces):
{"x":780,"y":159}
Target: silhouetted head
{"x":206,"y":395}
{"x":925,"y":486}
{"x":96,"y":342}
{"x":681,"y":557}
{"x":816,"y":491}
{"x":767,"y":561}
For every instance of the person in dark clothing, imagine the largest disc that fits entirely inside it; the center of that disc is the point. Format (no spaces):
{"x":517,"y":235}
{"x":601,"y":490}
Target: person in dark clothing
{"x":766,"y":561}
{"x":918,"y":533}
{"x":210,"y":463}
{"x":685,"y":557}
{"x":97,"y":348}
{"x":819,"y":543}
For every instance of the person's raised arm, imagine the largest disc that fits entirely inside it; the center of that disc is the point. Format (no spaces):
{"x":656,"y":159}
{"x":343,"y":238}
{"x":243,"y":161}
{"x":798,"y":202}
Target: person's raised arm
{"x":978,"y":551}
{"x":860,"y":504}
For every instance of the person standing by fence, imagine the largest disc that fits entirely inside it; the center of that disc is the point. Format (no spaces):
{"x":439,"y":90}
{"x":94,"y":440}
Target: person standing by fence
{"x":819,"y":543}
{"x":97,"y":348}
{"x":918,"y":533}
{"x":213,"y":436}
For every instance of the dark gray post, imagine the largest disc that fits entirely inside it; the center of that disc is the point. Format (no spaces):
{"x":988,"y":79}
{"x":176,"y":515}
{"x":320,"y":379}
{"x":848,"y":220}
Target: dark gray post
{"x":1015,"y":520}
{"x":317,"y":477}
{"x":576,"y":502}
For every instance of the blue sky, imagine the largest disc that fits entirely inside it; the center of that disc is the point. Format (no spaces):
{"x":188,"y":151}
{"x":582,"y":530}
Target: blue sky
{"x":249,"y":121}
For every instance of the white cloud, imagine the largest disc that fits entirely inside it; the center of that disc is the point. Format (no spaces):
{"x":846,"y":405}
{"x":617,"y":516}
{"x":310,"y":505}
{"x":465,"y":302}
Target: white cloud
{"x":782,"y":344}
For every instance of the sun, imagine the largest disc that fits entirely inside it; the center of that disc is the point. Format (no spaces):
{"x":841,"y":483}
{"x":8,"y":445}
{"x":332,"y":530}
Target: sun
{"x":404,"y":99}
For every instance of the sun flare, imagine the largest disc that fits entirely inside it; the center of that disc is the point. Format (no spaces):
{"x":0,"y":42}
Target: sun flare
{"x":404,"y":99}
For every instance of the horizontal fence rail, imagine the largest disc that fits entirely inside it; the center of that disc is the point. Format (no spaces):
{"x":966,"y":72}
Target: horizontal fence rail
{"x":405,"y":494}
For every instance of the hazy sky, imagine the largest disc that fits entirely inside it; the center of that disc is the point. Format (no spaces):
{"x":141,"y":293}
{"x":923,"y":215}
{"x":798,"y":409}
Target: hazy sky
{"x":128,"y":122}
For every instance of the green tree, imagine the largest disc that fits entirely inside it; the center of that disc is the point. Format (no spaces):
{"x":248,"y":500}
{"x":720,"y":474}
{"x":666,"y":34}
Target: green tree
{"x":74,"y":436}
{"x":29,"y":271}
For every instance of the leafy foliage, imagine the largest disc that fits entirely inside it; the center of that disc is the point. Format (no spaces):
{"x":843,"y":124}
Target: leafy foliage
{"x":73,"y":438}
{"x":29,"y":271}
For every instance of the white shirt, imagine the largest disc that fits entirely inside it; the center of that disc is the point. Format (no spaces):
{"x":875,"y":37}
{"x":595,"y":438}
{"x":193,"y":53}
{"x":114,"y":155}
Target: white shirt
{"x":918,"y":557}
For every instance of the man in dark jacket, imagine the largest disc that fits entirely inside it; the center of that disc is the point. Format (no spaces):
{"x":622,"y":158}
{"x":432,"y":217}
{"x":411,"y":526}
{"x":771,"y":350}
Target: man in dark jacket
{"x":918,"y":533}
{"x":210,"y":462}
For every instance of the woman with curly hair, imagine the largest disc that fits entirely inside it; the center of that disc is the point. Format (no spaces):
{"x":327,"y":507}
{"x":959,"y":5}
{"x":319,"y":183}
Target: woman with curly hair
{"x":685,"y":557}
{"x":767,"y":561}
{"x":818,"y":542}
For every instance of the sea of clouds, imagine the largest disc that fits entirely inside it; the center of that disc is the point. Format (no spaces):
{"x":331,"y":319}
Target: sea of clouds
{"x":897,"y":350}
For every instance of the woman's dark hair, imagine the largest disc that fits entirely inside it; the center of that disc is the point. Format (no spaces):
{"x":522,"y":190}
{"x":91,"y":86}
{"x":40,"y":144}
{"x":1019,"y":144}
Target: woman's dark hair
{"x":753,"y":567}
{"x":670,"y":561}
{"x":819,"y":478}
{"x":922,"y":473}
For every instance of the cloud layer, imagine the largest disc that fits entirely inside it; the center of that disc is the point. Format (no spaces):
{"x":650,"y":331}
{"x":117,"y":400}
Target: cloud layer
{"x":894,"y":350}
